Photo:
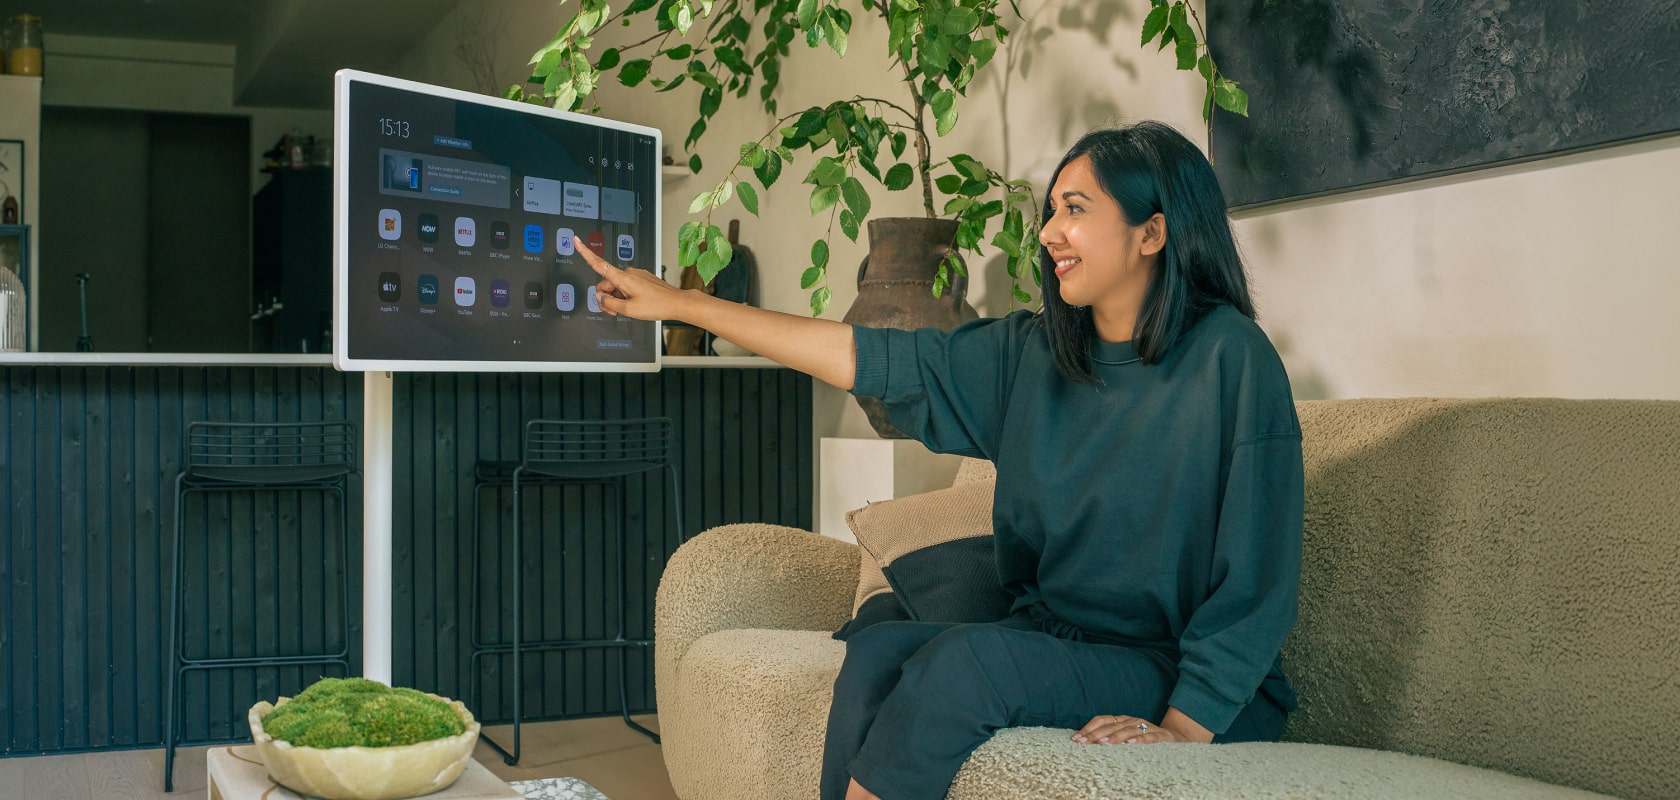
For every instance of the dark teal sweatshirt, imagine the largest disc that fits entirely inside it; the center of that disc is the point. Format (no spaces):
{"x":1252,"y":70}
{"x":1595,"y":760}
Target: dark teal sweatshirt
{"x":1160,"y":507}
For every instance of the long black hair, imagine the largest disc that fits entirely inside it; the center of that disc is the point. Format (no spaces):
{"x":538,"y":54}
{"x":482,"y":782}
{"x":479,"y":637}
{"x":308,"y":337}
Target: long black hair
{"x":1150,"y":168}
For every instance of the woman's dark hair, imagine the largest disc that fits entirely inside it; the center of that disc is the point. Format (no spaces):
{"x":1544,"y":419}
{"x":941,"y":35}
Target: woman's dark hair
{"x":1150,"y":168}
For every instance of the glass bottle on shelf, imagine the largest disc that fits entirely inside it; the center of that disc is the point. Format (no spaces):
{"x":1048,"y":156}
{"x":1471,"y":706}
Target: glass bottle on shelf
{"x":23,"y":45}
{"x":14,"y":311}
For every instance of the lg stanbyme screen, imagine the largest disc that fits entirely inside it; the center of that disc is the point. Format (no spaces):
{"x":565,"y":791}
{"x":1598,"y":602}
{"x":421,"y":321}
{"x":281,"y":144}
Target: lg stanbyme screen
{"x":459,"y":219}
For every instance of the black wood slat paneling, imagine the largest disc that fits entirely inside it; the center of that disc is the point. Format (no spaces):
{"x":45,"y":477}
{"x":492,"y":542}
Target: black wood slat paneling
{"x":88,"y":459}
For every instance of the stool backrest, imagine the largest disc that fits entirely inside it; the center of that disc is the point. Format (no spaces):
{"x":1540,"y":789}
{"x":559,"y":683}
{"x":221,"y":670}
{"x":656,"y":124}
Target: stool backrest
{"x":269,"y":452}
{"x":596,"y":448}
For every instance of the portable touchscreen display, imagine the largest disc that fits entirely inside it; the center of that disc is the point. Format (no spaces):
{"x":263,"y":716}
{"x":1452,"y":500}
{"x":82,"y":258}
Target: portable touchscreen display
{"x":457,"y":219}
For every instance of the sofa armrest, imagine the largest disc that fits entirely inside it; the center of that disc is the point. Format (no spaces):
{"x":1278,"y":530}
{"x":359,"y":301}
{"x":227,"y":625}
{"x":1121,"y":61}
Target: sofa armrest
{"x":750,"y":576}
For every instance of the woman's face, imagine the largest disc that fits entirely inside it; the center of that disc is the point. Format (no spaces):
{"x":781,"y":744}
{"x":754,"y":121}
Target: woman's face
{"x":1101,"y":261}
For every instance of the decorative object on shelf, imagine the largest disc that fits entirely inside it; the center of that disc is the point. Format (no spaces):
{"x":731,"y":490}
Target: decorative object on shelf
{"x":895,"y":283}
{"x":937,"y":45}
{"x":11,"y":182}
{"x":23,"y":45}
{"x":14,"y":294}
{"x":355,"y":709}
{"x":738,"y":285}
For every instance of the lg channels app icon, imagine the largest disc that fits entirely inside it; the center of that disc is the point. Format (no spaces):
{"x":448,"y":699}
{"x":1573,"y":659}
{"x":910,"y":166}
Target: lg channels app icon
{"x":390,"y":287}
{"x":466,"y":290}
{"x":390,"y":224}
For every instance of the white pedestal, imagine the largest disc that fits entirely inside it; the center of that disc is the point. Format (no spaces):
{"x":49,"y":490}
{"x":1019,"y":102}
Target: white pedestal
{"x":857,"y":472}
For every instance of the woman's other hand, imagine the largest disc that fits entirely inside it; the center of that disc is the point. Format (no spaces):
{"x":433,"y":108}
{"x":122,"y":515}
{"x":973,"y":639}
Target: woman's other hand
{"x":1121,"y":729}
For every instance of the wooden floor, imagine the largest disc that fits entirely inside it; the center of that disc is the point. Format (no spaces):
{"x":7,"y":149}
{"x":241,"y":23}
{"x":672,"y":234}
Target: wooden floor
{"x":620,"y":762}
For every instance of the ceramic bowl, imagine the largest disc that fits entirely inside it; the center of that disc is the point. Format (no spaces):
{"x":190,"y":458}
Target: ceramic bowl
{"x":366,"y":773}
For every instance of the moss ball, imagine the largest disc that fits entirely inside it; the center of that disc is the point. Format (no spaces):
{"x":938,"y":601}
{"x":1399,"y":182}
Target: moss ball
{"x":356,"y":712}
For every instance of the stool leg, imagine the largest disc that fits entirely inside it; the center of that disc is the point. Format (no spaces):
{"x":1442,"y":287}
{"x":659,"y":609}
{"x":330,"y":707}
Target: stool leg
{"x":174,"y":653}
{"x":343,"y":569}
{"x":624,"y":612}
{"x":518,"y":619}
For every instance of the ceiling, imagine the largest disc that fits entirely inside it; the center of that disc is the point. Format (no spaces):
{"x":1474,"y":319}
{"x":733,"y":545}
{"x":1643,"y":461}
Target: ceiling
{"x":286,"y":50}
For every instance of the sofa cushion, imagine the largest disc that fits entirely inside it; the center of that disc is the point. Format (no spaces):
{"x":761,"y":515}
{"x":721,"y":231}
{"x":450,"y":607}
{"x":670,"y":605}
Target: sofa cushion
{"x":928,"y":557}
{"x":1042,"y":762}
{"x":755,"y":703}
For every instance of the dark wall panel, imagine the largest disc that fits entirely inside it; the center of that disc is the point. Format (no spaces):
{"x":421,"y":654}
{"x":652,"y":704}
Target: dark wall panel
{"x":88,"y":458}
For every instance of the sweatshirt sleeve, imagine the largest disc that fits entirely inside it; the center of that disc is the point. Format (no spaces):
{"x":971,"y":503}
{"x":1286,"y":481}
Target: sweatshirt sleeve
{"x":947,"y":390}
{"x":1234,"y":636}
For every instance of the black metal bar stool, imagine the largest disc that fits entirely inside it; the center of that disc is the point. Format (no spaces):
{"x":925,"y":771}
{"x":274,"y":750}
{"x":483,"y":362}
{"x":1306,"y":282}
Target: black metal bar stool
{"x":567,"y":453}
{"x":253,"y":457}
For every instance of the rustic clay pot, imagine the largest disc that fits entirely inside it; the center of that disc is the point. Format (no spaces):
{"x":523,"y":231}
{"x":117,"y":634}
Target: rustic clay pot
{"x":895,"y":289}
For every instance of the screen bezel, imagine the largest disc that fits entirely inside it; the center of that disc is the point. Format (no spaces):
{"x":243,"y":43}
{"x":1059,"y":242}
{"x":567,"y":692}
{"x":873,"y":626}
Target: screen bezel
{"x":342,"y":359}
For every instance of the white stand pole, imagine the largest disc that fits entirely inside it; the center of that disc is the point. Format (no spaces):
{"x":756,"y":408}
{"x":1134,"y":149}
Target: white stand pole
{"x":376,"y":526}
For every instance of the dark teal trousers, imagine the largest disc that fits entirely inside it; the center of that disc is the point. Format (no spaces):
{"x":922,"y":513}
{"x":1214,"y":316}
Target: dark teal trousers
{"x":914,"y":699}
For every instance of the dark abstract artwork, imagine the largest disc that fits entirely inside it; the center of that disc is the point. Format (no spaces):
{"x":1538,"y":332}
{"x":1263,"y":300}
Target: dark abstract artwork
{"x":1360,"y":93}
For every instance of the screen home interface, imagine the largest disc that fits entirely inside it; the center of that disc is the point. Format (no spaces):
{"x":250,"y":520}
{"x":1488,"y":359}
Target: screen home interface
{"x":464,"y":224}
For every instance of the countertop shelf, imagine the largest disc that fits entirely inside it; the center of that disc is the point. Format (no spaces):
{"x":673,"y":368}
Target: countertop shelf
{"x":303,"y":360}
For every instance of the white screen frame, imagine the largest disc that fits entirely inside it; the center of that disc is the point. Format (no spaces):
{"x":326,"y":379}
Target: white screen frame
{"x":342,"y":169}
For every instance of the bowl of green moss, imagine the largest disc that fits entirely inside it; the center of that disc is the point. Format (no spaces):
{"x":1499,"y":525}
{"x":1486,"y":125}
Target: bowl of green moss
{"x":356,"y":739}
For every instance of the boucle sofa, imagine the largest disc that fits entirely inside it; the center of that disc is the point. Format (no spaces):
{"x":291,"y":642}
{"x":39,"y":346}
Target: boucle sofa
{"x":1490,"y":608}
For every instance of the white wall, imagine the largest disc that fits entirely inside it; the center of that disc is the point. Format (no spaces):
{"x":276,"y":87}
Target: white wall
{"x":20,"y":96}
{"x":1548,"y":279}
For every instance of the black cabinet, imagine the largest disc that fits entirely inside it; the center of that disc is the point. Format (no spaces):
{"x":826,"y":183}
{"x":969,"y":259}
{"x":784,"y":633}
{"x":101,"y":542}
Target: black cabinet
{"x":291,"y":285}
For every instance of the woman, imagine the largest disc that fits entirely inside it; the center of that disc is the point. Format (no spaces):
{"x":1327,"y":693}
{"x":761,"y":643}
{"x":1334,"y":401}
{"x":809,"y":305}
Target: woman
{"x":1148,"y":507}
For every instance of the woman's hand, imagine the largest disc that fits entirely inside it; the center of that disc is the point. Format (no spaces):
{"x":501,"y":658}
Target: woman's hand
{"x":634,"y":293}
{"x":1121,"y":729}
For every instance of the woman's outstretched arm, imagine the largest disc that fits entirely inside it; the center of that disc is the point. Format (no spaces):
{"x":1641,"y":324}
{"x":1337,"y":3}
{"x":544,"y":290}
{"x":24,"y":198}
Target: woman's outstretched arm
{"x":820,"y":348}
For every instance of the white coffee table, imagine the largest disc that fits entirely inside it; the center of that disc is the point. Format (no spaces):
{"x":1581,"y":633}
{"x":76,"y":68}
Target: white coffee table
{"x":237,"y":773}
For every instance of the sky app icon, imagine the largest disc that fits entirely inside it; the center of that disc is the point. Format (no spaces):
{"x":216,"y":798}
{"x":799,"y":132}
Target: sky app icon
{"x":427,"y":289}
{"x":533,"y":295}
{"x":565,"y":242}
{"x":466,"y":291}
{"x":565,"y":297}
{"x":500,"y":293}
{"x":466,"y":231}
{"x":390,"y":224}
{"x":533,"y":239}
{"x":428,"y":228}
{"x":499,"y":235}
{"x":626,"y":247}
{"x":390,"y":287}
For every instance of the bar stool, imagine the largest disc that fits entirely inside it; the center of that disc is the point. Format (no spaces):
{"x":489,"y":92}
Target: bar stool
{"x":251,"y":457}
{"x":570,"y":453}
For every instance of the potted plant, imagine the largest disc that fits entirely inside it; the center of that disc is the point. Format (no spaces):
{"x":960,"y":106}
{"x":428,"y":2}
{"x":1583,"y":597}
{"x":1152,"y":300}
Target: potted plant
{"x":937,"y":45}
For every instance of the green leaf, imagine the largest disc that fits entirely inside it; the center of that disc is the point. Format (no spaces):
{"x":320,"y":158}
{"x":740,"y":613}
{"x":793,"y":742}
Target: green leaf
{"x":1230,"y":98}
{"x":565,"y":97}
{"x":806,"y":16}
{"x":634,"y":71}
{"x":810,"y":278}
{"x":638,"y":6}
{"x":819,"y":301}
{"x":1020,"y":294}
{"x":1186,"y":53}
{"x":819,"y":254}
{"x":770,"y":169}
{"x":944,"y":104}
{"x":682,"y":16}
{"x":546,"y":66}
{"x":959,"y":21}
{"x":837,"y":129}
{"x":609,"y":59}
{"x":710,"y":101}
{"x":982,"y":50}
{"x":836,"y":36}
{"x":827,"y":172}
{"x":688,"y":243}
{"x":1204,"y":65}
{"x":899,"y":140}
{"x":718,"y":252}
{"x":695,"y":132}
{"x":848,"y":224}
{"x":969,"y":167}
{"x":857,"y":198}
{"x":899,"y":177}
{"x":949,"y":184}
{"x":749,"y":197}
{"x":972,"y":188}
{"x":824,"y":198}
{"x":701,"y":201}
{"x":675,"y":82}
{"x":1154,"y":23}
{"x":694,"y":163}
